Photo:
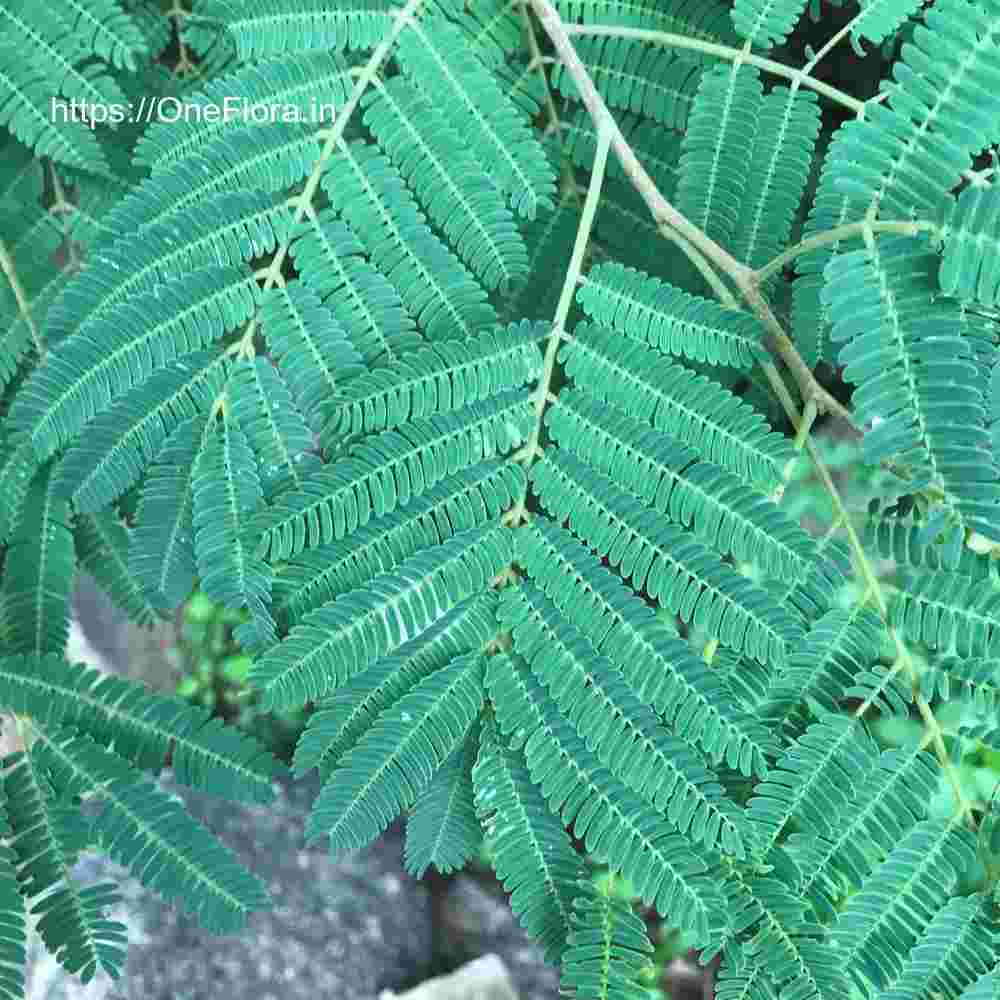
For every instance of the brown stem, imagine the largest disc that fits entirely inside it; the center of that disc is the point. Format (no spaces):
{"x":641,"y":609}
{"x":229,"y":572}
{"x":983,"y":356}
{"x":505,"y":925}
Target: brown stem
{"x":776,"y":340}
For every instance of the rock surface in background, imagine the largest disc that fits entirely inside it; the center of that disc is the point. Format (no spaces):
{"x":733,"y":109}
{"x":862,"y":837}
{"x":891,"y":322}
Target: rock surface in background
{"x":342,"y":930}
{"x":485,"y":978}
{"x":127,"y":649}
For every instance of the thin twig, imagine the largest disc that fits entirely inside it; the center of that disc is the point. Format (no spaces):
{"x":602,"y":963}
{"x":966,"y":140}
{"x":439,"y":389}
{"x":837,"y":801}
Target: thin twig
{"x":543,"y":394}
{"x":7,"y":266}
{"x":776,"y":341}
{"x":905,"y":228}
{"x":797,"y":76}
{"x":332,"y":140}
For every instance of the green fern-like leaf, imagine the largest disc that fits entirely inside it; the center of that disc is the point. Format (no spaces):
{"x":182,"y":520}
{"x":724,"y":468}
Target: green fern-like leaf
{"x":466,"y":500}
{"x":146,"y":253}
{"x":658,"y":558}
{"x":650,"y":82}
{"x":107,"y":30}
{"x":706,"y":19}
{"x":432,"y":157}
{"x":38,"y":573}
{"x":695,"y":410}
{"x":615,"y":824}
{"x":346,"y":716}
{"x":879,"y":20}
{"x":396,"y":759}
{"x":311,"y":349}
{"x":277,"y":432}
{"x":880,"y":809}
{"x":26,"y":93}
{"x":102,"y":545}
{"x":971,"y":265}
{"x":668,"y":318}
{"x":344,"y":637}
{"x":437,"y":55}
{"x":296,"y":82}
{"x":957,"y":948}
{"x":12,"y":927}
{"x":950,"y":613}
{"x":897,"y":901}
{"x":387,"y":469}
{"x":18,"y":466}
{"x":667,"y":476}
{"x":438,"y":379}
{"x":361,"y":303}
{"x":63,"y":395}
{"x":939,"y":80}
{"x":714,"y":169}
{"x":113,"y":454}
{"x":607,"y":948}
{"x":779,"y":168}
{"x":51,"y":834}
{"x":442,"y":829}
{"x":590,"y":691}
{"x":277,"y":28}
{"x":226,"y":490}
{"x":161,"y":555}
{"x":766,"y":22}
{"x":140,"y":726}
{"x":436,"y":288}
{"x":657,"y":666}
{"x":535,"y":859}
{"x":138,"y":819}
{"x":917,"y":381}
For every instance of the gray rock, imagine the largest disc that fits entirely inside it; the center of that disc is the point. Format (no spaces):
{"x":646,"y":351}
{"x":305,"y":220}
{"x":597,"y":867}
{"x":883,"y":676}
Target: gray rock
{"x":124,"y":648}
{"x":341,"y":930}
{"x":473,"y":920}
{"x":485,"y":978}
{"x":104,"y":625}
